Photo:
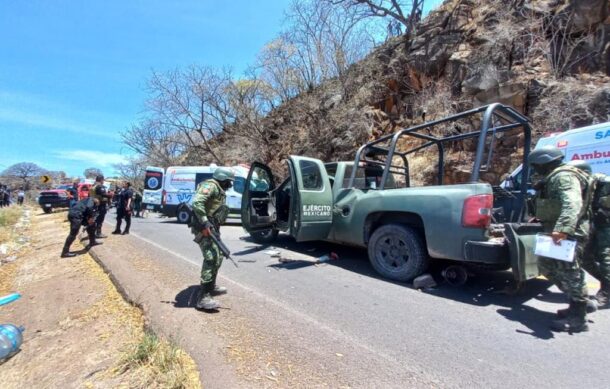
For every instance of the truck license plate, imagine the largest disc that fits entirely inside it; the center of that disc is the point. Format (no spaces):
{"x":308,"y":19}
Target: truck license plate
{"x":150,"y":207}
{"x":47,"y":205}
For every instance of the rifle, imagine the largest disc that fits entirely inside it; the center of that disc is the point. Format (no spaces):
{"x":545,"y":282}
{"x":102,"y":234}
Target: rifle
{"x":216,"y":238}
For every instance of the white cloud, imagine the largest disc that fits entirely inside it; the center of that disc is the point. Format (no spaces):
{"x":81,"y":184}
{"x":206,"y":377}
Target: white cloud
{"x":37,"y":111}
{"x":91,"y":158}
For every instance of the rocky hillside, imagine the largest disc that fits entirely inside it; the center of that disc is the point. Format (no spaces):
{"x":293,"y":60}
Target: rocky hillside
{"x":548,"y":58}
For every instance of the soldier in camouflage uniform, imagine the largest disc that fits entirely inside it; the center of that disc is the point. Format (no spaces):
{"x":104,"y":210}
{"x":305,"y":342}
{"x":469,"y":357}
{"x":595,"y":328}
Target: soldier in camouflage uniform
{"x":596,"y":260}
{"x":562,"y":207}
{"x":210,"y":211}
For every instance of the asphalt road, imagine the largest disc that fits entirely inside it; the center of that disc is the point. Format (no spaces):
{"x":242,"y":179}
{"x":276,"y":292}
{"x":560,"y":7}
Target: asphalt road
{"x":398,"y":336}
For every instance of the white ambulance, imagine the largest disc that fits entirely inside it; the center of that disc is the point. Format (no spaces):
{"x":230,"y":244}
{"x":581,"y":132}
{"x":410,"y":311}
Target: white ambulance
{"x":590,"y":144}
{"x":152,"y":197}
{"x":179,"y":184}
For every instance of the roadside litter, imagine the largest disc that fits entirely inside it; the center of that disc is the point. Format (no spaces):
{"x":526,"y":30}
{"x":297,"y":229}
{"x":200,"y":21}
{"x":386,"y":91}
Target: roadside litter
{"x":424,"y":281}
{"x":273,"y":253}
{"x":325,"y":258}
{"x":10,"y":335}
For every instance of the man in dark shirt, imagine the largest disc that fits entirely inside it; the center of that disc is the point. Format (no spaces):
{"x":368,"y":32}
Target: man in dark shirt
{"x":124,"y":208}
{"x":83,"y":213}
{"x":98,"y":191}
{"x":73,"y":191}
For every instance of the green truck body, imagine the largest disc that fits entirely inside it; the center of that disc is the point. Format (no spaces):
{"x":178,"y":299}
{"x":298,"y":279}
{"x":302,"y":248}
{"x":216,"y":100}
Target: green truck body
{"x":402,"y":226}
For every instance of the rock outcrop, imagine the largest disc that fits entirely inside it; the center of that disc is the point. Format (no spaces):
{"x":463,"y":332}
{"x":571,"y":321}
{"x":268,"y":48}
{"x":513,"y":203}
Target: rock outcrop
{"x":550,"y":59}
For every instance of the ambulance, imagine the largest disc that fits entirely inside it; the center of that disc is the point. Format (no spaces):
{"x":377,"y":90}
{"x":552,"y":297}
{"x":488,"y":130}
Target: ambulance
{"x":171,"y":190}
{"x":590,"y":144}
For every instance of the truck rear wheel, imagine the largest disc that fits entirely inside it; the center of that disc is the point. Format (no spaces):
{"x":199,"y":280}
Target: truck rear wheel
{"x":397,"y":252}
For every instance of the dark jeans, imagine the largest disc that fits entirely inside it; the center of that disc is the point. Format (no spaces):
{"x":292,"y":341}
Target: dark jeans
{"x":99,"y":221}
{"x":75,"y":225}
{"x":121,"y":214}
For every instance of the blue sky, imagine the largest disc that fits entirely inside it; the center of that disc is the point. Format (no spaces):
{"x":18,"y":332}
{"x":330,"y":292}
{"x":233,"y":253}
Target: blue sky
{"x":72,"y":72}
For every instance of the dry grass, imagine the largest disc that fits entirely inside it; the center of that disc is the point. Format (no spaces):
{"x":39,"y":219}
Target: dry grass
{"x":9,"y":216}
{"x":159,"y":364}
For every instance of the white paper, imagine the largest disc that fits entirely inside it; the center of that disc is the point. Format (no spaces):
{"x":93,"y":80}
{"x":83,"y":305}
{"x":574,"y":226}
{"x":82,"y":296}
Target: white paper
{"x":564,"y":251}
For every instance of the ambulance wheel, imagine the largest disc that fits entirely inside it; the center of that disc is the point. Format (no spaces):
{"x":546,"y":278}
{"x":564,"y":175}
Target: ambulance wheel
{"x":183,"y":215}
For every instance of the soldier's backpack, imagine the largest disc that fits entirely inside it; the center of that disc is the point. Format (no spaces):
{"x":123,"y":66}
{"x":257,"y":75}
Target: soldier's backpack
{"x":549,"y":209}
{"x":600,"y":204}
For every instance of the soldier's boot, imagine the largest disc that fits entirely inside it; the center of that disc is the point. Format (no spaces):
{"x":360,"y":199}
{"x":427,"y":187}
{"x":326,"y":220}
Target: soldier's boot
{"x":217,"y":290}
{"x":205,"y":301}
{"x":99,"y":235}
{"x":592,"y":306}
{"x":65,"y":252}
{"x":603,"y":295}
{"x":117,"y":229}
{"x":575,"y":322}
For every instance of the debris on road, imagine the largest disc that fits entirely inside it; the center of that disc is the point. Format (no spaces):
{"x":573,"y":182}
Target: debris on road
{"x":326,"y":258}
{"x":273,"y":253}
{"x":424,"y":281}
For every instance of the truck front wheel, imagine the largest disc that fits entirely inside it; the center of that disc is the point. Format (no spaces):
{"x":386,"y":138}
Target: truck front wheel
{"x":267,"y":236}
{"x":397,"y":252}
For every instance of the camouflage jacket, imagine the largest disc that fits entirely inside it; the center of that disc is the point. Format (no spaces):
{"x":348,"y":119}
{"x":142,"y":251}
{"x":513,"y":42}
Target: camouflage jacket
{"x":98,"y":191}
{"x":208,"y":199}
{"x":563,"y":203}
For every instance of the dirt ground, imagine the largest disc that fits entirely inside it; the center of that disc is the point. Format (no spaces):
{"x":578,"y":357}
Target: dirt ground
{"x":79,"y":332}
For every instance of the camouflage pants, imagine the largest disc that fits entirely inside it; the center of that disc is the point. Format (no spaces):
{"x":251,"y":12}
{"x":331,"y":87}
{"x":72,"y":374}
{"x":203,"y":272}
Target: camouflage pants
{"x":568,"y":276}
{"x":596,"y":260}
{"x":212,"y":259}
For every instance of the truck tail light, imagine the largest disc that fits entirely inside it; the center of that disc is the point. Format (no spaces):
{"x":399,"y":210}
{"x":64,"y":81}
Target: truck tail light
{"x":477,"y":211}
{"x":163,"y":193}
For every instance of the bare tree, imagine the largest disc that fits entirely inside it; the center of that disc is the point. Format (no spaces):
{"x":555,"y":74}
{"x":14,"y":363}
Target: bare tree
{"x":325,"y":40}
{"x":160,"y":145}
{"x":24,"y":171}
{"x":133,"y":171}
{"x":406,"y":13}
{"x":92,"y":172}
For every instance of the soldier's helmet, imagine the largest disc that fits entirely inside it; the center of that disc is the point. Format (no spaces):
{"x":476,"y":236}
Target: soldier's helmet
{"x":224,"y":174}
{"x":545,"y":155}
{"x":582,"y":165}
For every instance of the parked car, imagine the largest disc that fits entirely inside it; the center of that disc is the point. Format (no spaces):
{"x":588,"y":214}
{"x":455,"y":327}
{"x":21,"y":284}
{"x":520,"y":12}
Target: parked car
{"x":53,"y":198}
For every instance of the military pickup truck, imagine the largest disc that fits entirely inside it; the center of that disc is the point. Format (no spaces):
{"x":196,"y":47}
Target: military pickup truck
{"x":371,"y":202}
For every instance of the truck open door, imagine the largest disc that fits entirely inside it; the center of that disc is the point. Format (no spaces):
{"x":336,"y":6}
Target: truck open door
{"x":521,"y":239}
{"x":258,"y":212}
{"x":312,"y":215}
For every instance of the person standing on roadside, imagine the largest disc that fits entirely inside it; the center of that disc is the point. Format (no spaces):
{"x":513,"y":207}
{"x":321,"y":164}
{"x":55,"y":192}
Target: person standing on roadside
{"x":20,"y":196}
{"x":137,"y":202}
{"x":73,"y":191}
{"x":83,"y":213}
{"x":124,"y":209}
{"x":98,"y":191}
{"x":562,"y":207}
{"x":209,"y":212}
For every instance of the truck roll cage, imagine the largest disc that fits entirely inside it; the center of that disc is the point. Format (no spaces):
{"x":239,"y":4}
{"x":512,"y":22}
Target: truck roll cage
{"x":495,"y":118}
